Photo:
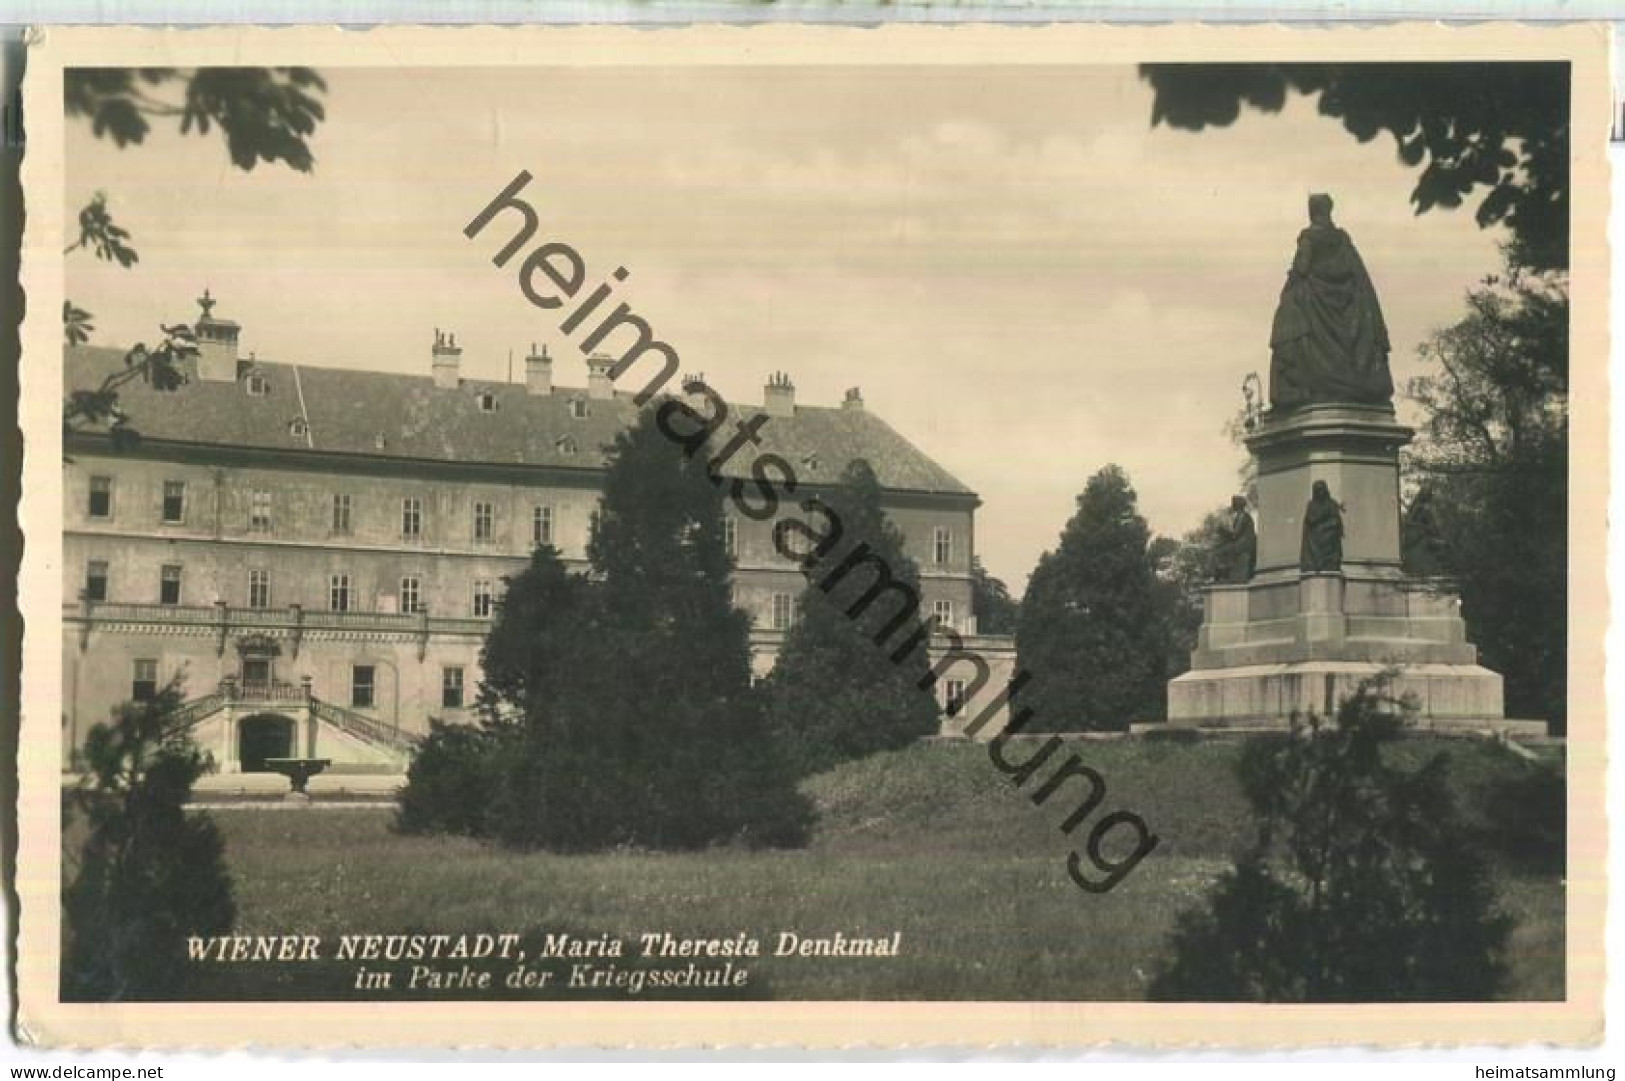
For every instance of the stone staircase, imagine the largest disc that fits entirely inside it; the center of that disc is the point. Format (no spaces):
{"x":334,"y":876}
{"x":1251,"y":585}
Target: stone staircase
{"x":319,"y":729}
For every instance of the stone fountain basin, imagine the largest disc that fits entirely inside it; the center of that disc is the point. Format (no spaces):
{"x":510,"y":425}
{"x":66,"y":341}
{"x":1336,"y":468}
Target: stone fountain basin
{"x":299,"y":771}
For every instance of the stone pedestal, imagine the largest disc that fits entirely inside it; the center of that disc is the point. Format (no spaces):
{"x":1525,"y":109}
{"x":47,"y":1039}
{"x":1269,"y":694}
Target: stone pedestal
{"x":1292,"y":642}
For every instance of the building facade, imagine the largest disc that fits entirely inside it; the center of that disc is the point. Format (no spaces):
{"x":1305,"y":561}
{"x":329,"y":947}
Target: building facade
{"x":318,"y":552}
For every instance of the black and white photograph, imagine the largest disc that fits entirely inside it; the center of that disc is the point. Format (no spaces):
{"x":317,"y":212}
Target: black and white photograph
{"x":559,"y":526}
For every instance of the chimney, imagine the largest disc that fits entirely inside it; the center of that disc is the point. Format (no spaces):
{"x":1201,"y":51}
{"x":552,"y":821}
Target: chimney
{"x":694,"y":394}
{"x":538,"y":372}
{"x":216,"y":344}
{"x":599,"y":385}
{"x":853,"y":399}
{"x":779,"y":396}
{"x":448,"y":358}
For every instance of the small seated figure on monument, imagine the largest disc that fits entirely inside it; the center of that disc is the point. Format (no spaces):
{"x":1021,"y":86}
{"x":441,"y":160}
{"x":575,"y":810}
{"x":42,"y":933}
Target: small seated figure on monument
{"x":1322,"y":533}
{"x":1236,"y":556}
{"x":1422,"y":551}
{"x":1329,"y":342}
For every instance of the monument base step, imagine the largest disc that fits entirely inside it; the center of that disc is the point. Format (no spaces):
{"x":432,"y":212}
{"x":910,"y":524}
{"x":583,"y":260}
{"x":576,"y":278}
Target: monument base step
{"x":1270,"y":695}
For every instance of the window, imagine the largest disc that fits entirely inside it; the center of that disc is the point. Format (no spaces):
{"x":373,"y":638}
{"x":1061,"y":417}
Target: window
{"x":411,"y":595}
{"x":101,"y":497}
{"x":451,"y":688}
{"x":482,"y":598}
{"x":953,"y":698}
{"x":488,"y":401}
{"x":411,"y":517}
{"x":783,"y":611}
{"x":565,"y":446}
{"x":174,"y":500}
{"x":259,"y":589}
{"x":341,"y":514}
{"x":541,"y":526}
{"x":730,"y":536}
{"x":298,"y":428}
{"x":942,"y":544}
{"x":259,"y":511}
{"x":258,"y":385}
{"x":96,"y":580}
{"x":943,"y":612}
{"x":169,"y":584}
{"x":361,"y":684}
{"x":578,"y":408}
{"x":482,"y":523}
{"x":338,"y":593}
{"x":144,"y":685}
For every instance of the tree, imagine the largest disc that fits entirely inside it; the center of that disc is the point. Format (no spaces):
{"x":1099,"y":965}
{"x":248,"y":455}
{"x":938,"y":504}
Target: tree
{"x":620,"y":705}
{"x":1183,"y":567}
{"x":456,"y":778}
{"x":995,"y":609}
{"x":266,"y":115}
{"x":836,"y":693}
{"x":1090,"y":630}
{"x":1359,"y":886}
{"x":149,"y":874}
{"x":1494,"y":450}
{"x":1499,"y":127}
{"x":538,"y":619}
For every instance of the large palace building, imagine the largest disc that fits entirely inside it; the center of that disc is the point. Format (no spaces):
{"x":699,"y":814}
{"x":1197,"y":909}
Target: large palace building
{"x":318,"y":551}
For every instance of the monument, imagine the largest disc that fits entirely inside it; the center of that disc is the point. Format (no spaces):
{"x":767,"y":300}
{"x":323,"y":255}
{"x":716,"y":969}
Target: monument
{"x":1327,"y":603}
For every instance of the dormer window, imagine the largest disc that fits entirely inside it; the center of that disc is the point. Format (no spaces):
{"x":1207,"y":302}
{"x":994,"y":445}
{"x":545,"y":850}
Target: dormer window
{"x":487,"y":401}
{"x":298,"y":428}
{"x":578,"y":408}
{"x":565,"y":445}
{"x":811,"y":462}
{"x":258,"y":386}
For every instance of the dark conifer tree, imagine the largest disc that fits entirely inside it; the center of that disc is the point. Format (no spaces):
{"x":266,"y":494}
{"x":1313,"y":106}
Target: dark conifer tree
{"x":634,"y":721}
{"x":1091,"y":630}
{"x":149,"y":874}
{"x":837,"y":692}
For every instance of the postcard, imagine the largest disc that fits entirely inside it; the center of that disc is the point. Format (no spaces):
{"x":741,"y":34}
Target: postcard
{"x":814,"y":536}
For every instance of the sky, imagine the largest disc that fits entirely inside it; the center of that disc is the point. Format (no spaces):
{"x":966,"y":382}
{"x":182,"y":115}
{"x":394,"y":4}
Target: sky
{"x":1023,"y":276}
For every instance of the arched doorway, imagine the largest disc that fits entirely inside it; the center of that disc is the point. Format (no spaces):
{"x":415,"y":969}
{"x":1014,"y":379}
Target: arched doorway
{"x":262,"y":736}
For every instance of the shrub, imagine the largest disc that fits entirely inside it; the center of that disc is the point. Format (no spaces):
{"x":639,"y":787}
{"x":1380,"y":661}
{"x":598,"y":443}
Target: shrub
{"x":453,"y":779}
{"x":149,"y":875}
{"x":1360,"y":885}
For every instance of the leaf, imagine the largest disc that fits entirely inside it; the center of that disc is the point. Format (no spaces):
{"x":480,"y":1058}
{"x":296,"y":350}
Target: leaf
{"x":76,"y":324}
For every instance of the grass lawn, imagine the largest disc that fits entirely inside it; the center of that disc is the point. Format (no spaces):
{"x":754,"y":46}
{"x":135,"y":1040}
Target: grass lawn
{"x":931,"y":842}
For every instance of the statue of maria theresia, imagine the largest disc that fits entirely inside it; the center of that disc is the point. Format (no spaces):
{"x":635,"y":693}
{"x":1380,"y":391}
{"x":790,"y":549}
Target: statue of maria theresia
{"x":1329,"y":342}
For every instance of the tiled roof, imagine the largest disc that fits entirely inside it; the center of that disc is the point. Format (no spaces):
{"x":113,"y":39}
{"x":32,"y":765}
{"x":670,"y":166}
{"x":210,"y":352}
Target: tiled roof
{"x":406,"y":416}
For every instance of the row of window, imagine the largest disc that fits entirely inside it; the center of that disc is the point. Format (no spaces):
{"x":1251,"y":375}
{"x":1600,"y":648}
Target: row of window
{"x":260,"y":518}
{"x":783,"y":613}
{"x":340,"y":595}
{"x":363,"y":684}
{"x":258,"y":386}
{"x":482,"y":528}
